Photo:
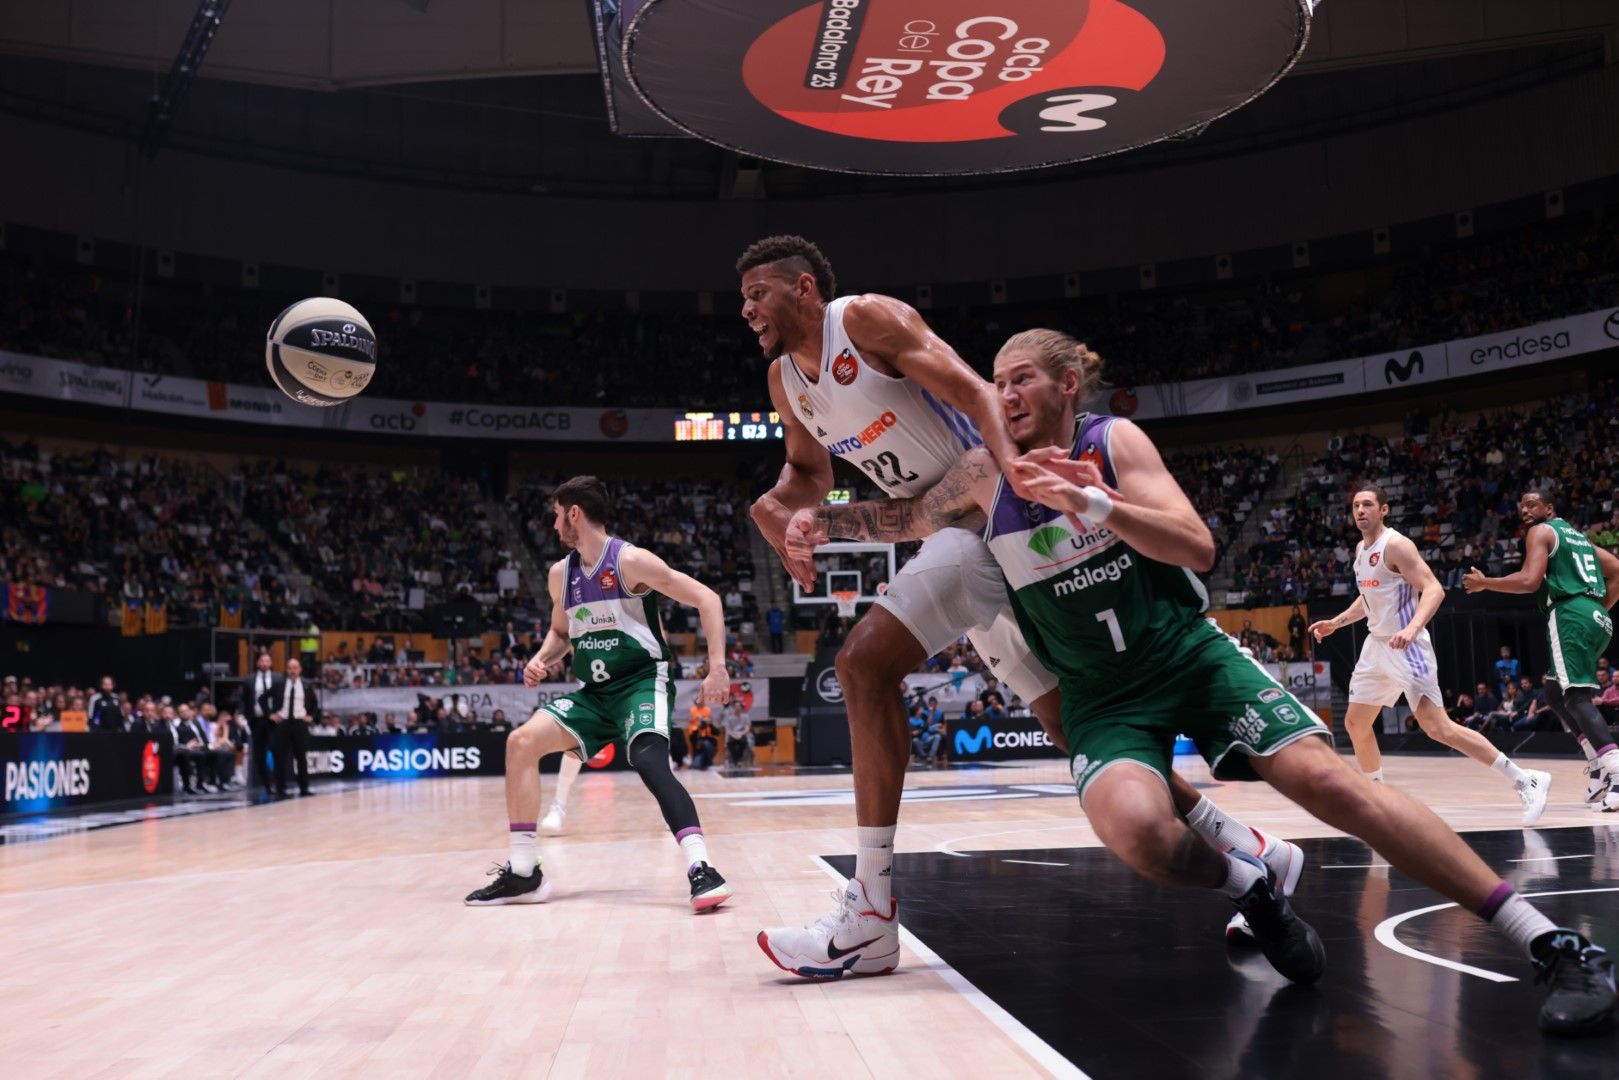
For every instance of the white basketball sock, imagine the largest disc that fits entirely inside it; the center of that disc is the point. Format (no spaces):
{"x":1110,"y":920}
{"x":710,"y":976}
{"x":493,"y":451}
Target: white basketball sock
{"x":1375,"y":775}
{"x":1225,"y":832}
{"x":525,"y":856}
{"x":1587,"y":749}
{"x":1241,"y":873}
{"x":1515,"y":917}
{"x":1503,"y":765}
{"x":694,"y":847}
{"x":565,"y":778}
{"x":874,"y":864}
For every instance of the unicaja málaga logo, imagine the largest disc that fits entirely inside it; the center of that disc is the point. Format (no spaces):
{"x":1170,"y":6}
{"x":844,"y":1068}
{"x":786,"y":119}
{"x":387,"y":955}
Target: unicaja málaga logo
{"x":974,"y":742}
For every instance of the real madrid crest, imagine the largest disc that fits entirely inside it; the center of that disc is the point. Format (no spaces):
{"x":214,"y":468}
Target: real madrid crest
{"x":804,"y":406}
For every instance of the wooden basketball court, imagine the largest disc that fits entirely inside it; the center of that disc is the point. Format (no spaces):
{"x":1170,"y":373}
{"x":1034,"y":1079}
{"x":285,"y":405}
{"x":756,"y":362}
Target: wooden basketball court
{"x":326,"y":937}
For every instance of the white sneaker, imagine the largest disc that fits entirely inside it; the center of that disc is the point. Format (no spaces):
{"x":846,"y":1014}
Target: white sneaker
{"x":852,"y":938}
{"x":1533,"y":792}
{"x":1596,"y":788}
{"x":552,"y":823}
{"x":1285,"y":861}
{"x":1610,"y":801}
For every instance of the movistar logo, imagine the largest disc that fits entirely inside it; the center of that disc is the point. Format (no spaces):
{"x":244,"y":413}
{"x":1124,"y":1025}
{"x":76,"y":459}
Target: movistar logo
{"x":971,"y":744}
{"x":1044,"y":541}
{"x":1395,"y":370}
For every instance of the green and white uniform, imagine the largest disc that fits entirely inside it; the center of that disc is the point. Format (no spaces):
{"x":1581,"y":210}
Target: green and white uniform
{"x":618,"y":653}
{"x":1137,"y":660}
{"x":1578,"y":626}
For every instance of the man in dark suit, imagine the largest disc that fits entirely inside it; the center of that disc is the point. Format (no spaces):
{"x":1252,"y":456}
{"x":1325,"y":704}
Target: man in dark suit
{"x":510,"y":643}
{"x":262,"y":730}
{"x":291,"y":704}
{"x":191,"y":751}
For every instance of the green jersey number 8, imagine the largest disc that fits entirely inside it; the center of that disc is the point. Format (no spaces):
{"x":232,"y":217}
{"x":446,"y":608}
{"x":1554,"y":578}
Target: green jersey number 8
{"x":598,"y":671}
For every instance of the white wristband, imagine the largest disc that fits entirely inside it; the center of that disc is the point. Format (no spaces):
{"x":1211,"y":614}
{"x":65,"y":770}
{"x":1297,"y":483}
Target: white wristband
{"x":1098,"y":505}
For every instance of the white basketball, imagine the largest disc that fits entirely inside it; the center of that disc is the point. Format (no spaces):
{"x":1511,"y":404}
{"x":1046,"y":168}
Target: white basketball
{"x":320,"y":351}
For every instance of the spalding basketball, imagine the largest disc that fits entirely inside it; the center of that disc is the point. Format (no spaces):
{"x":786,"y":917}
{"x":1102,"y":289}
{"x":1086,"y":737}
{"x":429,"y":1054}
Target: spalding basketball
{"x":320,"y":351}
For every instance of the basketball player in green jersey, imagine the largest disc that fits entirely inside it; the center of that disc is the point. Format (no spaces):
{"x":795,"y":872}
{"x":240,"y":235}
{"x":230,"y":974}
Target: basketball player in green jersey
{"x":1099,"y":572}
{"x":1575,"y":584}
{"x":604,"y":605}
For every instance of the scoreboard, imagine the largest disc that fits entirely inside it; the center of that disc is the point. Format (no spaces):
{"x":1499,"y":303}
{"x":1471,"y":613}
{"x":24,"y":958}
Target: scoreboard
{"x":728,"y":427}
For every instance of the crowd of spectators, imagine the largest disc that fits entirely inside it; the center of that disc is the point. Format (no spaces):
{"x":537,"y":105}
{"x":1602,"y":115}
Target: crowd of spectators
{"x":209,"y":743}
{"x":631,"y":358}
{"x":381,"y":548}
{"x":1454,"y":485}
{"x":139,"y":530}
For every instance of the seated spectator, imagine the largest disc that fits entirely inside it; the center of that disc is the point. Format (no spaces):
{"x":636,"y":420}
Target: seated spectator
{"x":1485,"y":706}
{"x":1536,"y":711}
{"x":1016,"y":708}
{"x":191,"y":753}
{"x":228,"y":745}
{"x":1607,"y":688}
{"x":917,"y":720}
{"x":738,"y":732}
{"x":1510,"y":711}
{"x":935,"y":738}
{"x":703,"y":738}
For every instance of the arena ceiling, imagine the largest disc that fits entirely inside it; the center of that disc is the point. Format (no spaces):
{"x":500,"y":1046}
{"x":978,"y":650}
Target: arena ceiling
{"x":502,"y":94}
{"x":336,"y":44}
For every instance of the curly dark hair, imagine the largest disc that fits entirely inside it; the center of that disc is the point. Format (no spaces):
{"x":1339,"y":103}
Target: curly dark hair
{"x":800,"y":257}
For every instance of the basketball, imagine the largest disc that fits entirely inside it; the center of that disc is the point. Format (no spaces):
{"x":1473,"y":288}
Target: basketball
{"x":320,"y":351}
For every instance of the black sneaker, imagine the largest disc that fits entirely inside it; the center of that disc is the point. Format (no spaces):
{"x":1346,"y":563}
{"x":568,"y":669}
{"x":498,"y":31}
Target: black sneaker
{"x":708,"y":889}
{"x":1288,"y":942}
{"x":510,"y":888}
{"x":1582,"y":997}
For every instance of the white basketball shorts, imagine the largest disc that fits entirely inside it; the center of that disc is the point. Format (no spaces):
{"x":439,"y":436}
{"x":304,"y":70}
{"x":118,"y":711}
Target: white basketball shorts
{"x":954,"y":586}
{"x":1383,"y":674}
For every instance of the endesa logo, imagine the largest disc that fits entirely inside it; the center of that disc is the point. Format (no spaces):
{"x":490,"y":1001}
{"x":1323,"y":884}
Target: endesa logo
{"x":953,"y":86}
{"x":1520,"y":346}
{"x":868,"y":435}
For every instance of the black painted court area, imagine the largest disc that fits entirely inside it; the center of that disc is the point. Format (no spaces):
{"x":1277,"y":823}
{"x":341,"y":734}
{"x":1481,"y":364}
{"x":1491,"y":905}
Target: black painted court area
{"x":1126,"y":979}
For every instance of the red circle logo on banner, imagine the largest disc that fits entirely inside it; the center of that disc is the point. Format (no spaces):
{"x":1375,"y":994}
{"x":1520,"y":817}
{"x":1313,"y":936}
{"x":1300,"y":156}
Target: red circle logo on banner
{"x":151,"y":767}
{"x":952,"y":86}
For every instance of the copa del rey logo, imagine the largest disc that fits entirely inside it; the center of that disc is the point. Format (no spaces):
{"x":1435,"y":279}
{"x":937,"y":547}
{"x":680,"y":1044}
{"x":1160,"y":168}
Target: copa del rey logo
{"x":845,"y":368}
{"x":609,"y":581}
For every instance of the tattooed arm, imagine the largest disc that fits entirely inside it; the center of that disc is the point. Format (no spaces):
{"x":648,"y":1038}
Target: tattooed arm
{"x":962,"y":492}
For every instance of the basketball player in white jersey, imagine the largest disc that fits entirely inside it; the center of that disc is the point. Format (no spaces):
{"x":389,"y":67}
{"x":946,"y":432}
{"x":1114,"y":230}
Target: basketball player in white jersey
{"x":864,"y":379}
{"x":1398,"y":596}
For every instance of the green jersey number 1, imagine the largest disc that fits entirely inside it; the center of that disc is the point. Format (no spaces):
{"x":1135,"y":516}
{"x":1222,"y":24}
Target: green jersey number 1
{"x":1112,"y":620}
{"x":1586,"y":564}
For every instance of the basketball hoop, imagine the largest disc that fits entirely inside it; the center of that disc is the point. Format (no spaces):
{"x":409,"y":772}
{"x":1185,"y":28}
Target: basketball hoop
{"x":846,"y":598}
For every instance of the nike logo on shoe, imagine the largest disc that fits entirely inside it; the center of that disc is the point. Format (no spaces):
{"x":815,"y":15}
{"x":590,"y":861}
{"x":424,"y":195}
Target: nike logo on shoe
{"x":835,"y":953}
